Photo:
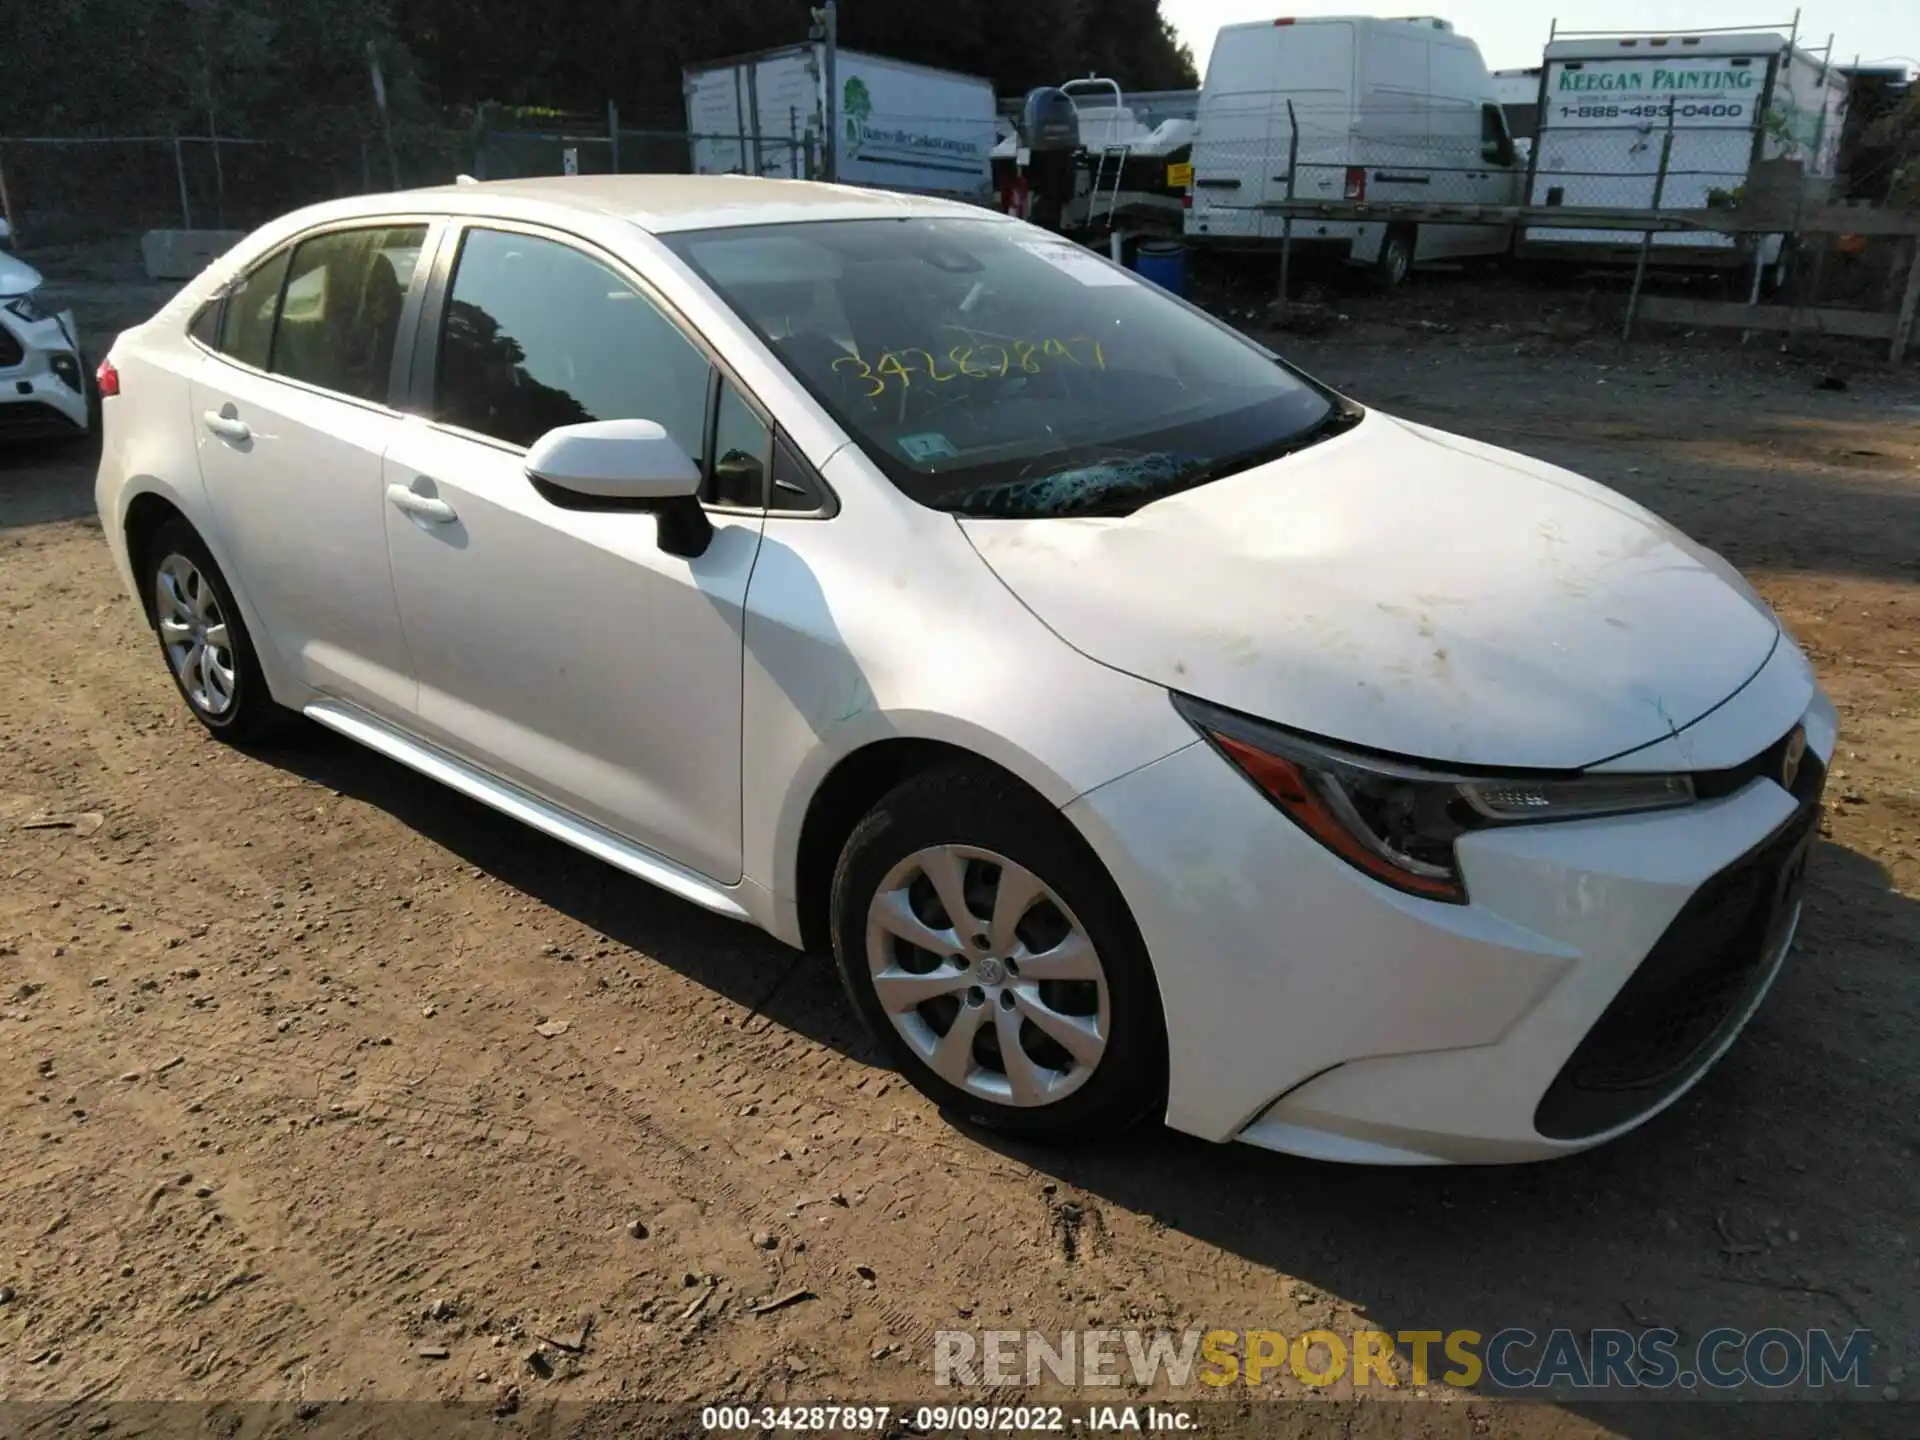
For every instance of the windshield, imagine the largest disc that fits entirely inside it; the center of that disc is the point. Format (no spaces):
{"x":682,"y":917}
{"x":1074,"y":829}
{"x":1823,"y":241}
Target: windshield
{"x":991,"y":369}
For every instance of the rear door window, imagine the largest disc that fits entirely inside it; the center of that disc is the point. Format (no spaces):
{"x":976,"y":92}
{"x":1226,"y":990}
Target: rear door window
{"x":340,"y":317}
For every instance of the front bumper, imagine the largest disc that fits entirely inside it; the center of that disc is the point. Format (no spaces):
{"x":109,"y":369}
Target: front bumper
{"x":42,"y":379}
{"x":1599,"y":968}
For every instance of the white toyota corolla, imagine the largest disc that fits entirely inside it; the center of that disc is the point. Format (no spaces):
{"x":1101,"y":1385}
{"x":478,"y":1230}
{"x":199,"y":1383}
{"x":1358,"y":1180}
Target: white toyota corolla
{"x":1143,"y":726}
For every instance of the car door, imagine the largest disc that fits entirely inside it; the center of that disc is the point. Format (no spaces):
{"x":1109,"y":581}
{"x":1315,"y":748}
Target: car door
{"x":290,"y":408}
{"x":562,"y":649}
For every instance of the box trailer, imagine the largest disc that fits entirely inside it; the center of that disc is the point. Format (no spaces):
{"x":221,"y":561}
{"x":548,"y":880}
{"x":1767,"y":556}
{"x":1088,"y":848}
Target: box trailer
{"x":1732,"y":102}
{"x":896,"y":126}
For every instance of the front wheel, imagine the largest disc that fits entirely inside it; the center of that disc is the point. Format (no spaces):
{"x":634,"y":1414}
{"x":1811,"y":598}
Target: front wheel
{"x":993,"y":957}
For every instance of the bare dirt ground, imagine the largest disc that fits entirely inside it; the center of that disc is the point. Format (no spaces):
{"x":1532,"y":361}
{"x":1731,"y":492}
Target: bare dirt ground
{"x":322,"y":1082}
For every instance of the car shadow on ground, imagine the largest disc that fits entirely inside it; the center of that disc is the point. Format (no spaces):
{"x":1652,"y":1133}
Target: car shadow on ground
{"x":43,"y":481}
{"x":1694,"y":1222}
{"x":733,"y":960}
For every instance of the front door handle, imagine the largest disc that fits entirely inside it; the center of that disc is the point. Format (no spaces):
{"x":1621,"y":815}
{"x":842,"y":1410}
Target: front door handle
{"x":421,"y":507}
{"x":227,"y":427}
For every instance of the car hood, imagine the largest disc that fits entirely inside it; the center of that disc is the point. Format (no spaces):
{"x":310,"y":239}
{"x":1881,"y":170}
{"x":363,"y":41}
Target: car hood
{"x":1405,"y":590}
{"x":16,"y":276}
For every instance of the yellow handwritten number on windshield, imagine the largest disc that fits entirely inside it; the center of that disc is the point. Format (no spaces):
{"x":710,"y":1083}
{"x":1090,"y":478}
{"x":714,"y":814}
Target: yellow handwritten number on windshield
{"x":988,"y":361}
{"x":879,"y":386}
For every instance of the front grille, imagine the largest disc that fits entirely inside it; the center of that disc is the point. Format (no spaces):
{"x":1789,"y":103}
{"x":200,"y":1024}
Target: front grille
{"x":10,"y":352}
{"x":1696,"y":982}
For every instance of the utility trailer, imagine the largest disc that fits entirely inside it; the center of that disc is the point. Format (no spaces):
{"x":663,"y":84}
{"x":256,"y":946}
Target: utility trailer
{"x":1722,"y":107}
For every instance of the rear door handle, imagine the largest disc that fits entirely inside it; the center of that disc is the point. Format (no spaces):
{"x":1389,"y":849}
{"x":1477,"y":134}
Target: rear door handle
{"x":421,"y":507}
{"x":227,"y":427}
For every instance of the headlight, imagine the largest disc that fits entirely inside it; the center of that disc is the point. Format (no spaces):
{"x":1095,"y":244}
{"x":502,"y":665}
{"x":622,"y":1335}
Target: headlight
{"x":28,"y":309}
{"x":1398,"y":820}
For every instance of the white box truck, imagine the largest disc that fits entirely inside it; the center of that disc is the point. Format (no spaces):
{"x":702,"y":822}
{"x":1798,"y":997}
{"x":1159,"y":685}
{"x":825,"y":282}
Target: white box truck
{"x":1386,"y":109}
{"x":896,"y":126}
{"x":1732,"y":101}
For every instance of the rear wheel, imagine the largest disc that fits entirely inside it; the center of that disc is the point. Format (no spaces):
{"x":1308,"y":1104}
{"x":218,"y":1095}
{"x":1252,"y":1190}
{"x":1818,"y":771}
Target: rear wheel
{"x":991,"y":954}
{"x":1396,"y":258}
{"x":205,"y":642}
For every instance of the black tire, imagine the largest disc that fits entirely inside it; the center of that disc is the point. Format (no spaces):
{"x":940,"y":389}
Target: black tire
{"x":974,"y":806}
{"x":1395,"y":261}
{"x":252,"y":717}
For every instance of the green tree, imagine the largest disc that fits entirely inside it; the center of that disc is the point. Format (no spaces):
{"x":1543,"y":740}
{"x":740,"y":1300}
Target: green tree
{"x":1897,"y":135}
{"x":274,"y":68}
{"x":296,"y":70}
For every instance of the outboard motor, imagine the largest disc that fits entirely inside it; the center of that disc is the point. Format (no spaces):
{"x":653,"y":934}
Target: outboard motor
{"x":1051,"y":128}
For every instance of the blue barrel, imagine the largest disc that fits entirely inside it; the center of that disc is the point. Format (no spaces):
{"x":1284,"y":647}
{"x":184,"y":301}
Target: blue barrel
{"x":1164,"y":262}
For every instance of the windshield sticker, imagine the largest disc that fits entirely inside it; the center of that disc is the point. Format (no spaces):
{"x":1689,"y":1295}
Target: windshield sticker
{"x":930,"y":446}
{"x":989,"y":361}
{"x":1082,"y":265}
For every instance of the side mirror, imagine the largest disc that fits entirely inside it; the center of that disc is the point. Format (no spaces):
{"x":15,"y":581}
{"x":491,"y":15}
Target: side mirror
{"x":624,"y":465}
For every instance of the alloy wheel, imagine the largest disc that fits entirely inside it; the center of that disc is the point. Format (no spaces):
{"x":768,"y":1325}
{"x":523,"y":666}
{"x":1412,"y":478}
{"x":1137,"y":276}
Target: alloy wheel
{"x":988,"y":976}
{"x":194,"y":631}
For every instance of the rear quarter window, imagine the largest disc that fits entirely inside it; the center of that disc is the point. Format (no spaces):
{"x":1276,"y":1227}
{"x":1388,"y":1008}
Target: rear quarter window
{"x":205,"y":325}
{"x":248,"y":315}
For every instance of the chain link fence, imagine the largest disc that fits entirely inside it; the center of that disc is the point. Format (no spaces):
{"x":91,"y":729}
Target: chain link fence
{"x":1255,"y":152}
{"x":1615,"y":168}
{"x":560,"y":145}
{"x":75,"y":189}
{"x":1654,"y":166}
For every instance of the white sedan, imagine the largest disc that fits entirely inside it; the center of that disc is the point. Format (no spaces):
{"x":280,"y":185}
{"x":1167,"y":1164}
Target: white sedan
{"x":1145,"y":728}
{"x":44,"y":384}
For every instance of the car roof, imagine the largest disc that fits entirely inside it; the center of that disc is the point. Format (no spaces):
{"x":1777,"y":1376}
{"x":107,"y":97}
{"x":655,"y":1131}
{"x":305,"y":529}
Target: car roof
{"x":664,"y":203}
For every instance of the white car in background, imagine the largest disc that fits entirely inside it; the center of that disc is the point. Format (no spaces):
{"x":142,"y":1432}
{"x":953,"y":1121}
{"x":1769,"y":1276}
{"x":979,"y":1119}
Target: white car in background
{"x":45,"y":389}
{"x":1142,"y":726}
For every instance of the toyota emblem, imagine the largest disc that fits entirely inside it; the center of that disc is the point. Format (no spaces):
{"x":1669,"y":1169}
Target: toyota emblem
{"x":1796,"y":752}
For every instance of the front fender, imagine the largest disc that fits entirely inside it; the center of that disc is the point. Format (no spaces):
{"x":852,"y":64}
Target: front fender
{"x":885,"y":624}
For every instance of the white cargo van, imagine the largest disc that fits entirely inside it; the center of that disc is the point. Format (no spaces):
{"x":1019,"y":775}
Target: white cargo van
{"x":1387,"y":110}
{"x":897,"y":126}
{"x":1732,"y":100}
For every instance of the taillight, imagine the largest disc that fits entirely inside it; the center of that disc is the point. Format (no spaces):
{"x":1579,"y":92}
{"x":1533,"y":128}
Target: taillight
{"x":1356,"y":182}
{"x":108,"y":378}
{"x":1186,"y":202}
